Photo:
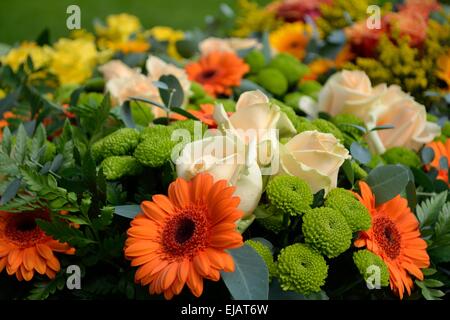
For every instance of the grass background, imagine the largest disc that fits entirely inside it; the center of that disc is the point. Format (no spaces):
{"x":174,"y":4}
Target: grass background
{"x":25,"y":19}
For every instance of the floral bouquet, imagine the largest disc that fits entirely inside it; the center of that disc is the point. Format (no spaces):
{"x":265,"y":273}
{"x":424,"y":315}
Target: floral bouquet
{"x":298,"y":150}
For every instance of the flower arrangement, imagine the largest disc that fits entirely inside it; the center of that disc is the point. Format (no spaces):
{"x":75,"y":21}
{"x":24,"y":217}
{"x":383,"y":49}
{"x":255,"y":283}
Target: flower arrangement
{"x":285,"y":152}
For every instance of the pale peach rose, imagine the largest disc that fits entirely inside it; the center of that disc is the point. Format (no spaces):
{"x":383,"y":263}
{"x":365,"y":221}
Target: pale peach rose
{"x":227,"y":45}
{"x":349,"y":92}
{"x":314,"y":157}
{"x":136,"y":85}
{"x":256,"y":118}
{"x":116,"y":69}
{"x":224,"y":157}
{"x":409,"y":118}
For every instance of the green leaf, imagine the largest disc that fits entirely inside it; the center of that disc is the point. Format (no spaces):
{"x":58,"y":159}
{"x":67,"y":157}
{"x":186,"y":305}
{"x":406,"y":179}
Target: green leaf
{"x":56,"y":163}
{"x":348,"y":170}
{"x":104,"y":219}
{"x":174,"y":96}
{"x":432,"y":283}
{"x":427,"y":155}
{"x":64,"y":233}
{"x":440,"y":254}
{"x":20,"y":148}
{"x":74,"y":219}
{"x":388,"y":181}
{"x":422,"y":179}
{"x":360,"y":153}
{"x":6,"y":141}
{"x":10,"y":191}
{"x":156,"y":104}
{"x":250,"y":280}
{"x":383,"y":127}
{"x":126,"y":115}
{"x":442,"y":227}
{"x":428,"y":210}
{"x":127,"y":211}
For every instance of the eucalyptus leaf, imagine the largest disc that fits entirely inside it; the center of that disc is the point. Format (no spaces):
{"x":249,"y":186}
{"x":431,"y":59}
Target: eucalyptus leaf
{"x":127,"y":211}
{"x":360,"y":153}
{"x":427,"y":155}
{"x":388,"y":181}
{"x":250,"y":280}
{"x":172,"y":97}
{"x":10,"y":191}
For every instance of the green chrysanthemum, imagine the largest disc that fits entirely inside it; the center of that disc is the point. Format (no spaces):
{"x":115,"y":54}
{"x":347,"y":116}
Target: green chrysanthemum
{"x":301,"y":269}
{"x":289,"y":66}
{"x":155,"y":149}
{"x":155,"y":130}
{"x":446,"y":129}
{"x":360,"y":173}
{"x":116,"y":167}
{"x":196,"y":129}
{"x":273,"y":81}
{"x":346,"y":123}
{"x":403,"y":156}
{"x":119,"y":143}
{"x":328,"y":127}
{"x":265,"y":253}
{"x":368,"y":262}
{"x":356,"y":214}
{"x":326,"y":230}
{"x":310,"y":88}
{"x":290,"y":194}
{"x":256,"y":60}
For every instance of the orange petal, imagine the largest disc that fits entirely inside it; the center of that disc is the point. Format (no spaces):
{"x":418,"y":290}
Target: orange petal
{"x":195,"y":283}
{"x":164,"y":203}
{"x":170,"y":275}
{"x":179,"y":193}
{"x":15,"y":259}
{"x":153,"y":211}
{"x":201,"y":263}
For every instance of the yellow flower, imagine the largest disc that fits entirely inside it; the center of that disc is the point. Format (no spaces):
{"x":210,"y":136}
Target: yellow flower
{"x":131,"y":46}
{"x":443,"y":72}
{"x":250,"y":17}
{"x":291,"y":38}
{"x":119,"y":27}
{"x":74,"y":60}
{"x":170,"y":35}
{"x":82,"y":34}
{"x":16,"y":56}
{"x":2,"y":94}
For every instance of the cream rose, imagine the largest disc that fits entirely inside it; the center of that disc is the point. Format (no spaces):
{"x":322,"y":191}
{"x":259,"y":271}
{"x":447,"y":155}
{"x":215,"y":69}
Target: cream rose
{"x":314,"y":157}
{"x":255,"y":119}
{"x":116,"y":69}
{"x":349,"y":92}
{"x":227,"y":45}
{"x":224,"y":157}
{"x":409,"y":118}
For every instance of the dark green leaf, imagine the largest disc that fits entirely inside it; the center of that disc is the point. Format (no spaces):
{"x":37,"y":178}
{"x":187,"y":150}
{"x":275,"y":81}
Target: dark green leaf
{"x":428,"y":211}
{"x":422,"y":179}
{"x":10,"y":191}
{"x":360,"y":153}
{"x":250,"y":280}
{"x":173,"y":97}
{"x":383,"y":127}
{"x":6,"y":141}
{"x":185,"y":113}
{"x":127,"y":211}
{"x":43,"y":38}
{"x":388,"y":181}
{"x":20,"y":148}
{"x":427,"y":155}
{"x":56,"y":163}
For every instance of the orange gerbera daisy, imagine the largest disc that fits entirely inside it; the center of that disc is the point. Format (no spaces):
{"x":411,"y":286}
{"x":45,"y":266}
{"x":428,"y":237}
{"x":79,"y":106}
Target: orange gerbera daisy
{"x":441,"y":150}
{"x":181,"y":239}
{"x":218,"y":72}
{"x":395,"y":237}
{"x":25,"y":248}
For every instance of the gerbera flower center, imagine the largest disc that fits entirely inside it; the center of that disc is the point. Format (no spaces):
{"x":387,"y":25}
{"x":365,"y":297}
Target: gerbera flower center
{"x":186,"y":232}
{"x":387,"y":236}
{"x":207,"y":74}
{"x":22,"y":229}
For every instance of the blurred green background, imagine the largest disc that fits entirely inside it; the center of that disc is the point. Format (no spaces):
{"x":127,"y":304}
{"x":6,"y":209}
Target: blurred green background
{"x":25,"y":19}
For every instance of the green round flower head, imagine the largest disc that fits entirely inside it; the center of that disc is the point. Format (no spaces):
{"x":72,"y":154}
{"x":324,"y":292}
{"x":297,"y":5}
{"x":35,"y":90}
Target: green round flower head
{"x":198,"y":92}
{"x":301,"y":269}
{"x":292,"y":99}
{"x":328,"y":127}
{"x":142,"y":114}
{"x":368,"y":263}
{"x":155,"y":149}
{"x":310,"y":88}
{"x":273,"y":81}
{"x":290,"y":194}
{"x":403,"y":156}
{"x":119,"y":143}
{"x":326,"y":230}
{"x":265,"y":253}
{"x":196,"y":129}
{"x":274,"y":221}
{"x":355,"y":213}
{"x":116,"y":167}
{"x":375,"y":161}
{"x":446,"y":129}
{"x":303,"y":126}
{"x":256,"y":60}
{"x":289,"y":66}
{"x":291,"y":115}
{"x":157,"y":129}
{"x":345,"y":122}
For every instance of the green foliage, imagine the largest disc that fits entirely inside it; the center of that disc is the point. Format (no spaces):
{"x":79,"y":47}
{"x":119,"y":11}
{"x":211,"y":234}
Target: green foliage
{"x":119,"y":143}
{"x":364,"y":260}
{"x":429,"y":287}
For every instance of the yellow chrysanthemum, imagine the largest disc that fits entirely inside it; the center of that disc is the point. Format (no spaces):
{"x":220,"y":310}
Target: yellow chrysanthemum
{"x":250,"y":17}
{"x":170,"y":35}
{"x":16,"y":56}
{"x":291,"y":38}
{"x":443,"y":72}
{"x":119,"y":27}
{"x":74,"y":60}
